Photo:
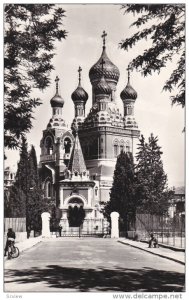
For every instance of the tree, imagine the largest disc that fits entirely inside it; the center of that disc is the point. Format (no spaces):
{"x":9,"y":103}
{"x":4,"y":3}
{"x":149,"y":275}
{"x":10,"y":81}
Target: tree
{"x":31,"y":31}
{"x":122,"y":195}
{"x":164,"y":25}
{"x":152,"y":194}
{"x":17,"y":198}
{"x":35,"y":202}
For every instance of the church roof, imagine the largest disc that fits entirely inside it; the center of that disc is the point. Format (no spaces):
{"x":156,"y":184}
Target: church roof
{"x":77,"y":163}
{"x":57,"y":100}
{"x":111,"y":71}
{"x":102,"y":87}
{"x":128,"y":93}
{"x":79,"y":94}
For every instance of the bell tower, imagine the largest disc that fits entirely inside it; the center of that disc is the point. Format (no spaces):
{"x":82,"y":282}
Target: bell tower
{"x":56,"y":146}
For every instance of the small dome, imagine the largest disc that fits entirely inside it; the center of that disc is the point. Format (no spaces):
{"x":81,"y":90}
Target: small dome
{"x":57,"y":101}
{"x":79,"y":94}
{"x":128,"y":93}
{"x":102,"y":87}
{"x":111,"y":72}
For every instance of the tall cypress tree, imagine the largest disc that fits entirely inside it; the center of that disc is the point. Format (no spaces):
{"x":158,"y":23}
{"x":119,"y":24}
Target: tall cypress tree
{"x":152,"y":192}
{"x":35,"y":203}
{"x":122,"y":195}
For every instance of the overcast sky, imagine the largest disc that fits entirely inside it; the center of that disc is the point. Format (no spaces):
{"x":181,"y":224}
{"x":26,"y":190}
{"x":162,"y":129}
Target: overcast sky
{"x":83,"y":47}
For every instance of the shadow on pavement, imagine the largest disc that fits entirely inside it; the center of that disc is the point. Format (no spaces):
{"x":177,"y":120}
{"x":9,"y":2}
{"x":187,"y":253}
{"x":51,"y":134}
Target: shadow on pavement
{"x":101,"y":279}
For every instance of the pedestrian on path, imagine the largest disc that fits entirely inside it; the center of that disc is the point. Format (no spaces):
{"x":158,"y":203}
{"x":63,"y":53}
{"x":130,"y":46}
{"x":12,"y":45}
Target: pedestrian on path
{"x":60,"y":230}
{"x":11,"y":236}
{"x":153,"y":241}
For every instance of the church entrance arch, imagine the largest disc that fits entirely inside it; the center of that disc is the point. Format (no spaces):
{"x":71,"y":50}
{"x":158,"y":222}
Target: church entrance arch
{"x":76,"y":212}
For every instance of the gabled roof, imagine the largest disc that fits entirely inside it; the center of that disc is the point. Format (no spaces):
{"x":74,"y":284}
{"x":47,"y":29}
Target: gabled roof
{"x":77,"y":163}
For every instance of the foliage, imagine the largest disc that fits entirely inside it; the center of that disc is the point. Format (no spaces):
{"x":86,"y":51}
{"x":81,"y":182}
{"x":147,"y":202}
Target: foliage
{"x":122,"y":195}
{"x":16,"y":206}
{"x":152,"y":194}
{"x":35,"y":203}
{"x":164,"y":25}
{"x":31,"y":31}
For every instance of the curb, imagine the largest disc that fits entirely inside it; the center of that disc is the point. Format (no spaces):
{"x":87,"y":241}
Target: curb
{"x":157,"y":254}
{"x":29,"y":246}
{"x":168,"y":247}
{"x":24,"y":249}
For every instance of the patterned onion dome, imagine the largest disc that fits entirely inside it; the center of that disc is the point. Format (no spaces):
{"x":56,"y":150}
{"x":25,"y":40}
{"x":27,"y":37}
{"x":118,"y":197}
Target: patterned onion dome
{"x":128,"y":92}
{"x":57,"y":100}
{"x":102,"y":87}
{"x":111,"y":72}
{"x":79,"y":94}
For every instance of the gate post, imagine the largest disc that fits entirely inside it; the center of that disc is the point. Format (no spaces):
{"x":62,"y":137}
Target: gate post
{"x":45,"y":224}
{"x":114,"y":224}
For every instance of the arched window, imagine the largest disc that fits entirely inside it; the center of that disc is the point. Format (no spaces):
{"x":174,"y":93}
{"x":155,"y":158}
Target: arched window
{"x":49,"y":145}
{"x":96,"y":191}
{"x":127,"y":146}
{"x":116,"y":150}
{"x":121,"y":146}
{"x":48,"y":189}
{"x":67,"y":145}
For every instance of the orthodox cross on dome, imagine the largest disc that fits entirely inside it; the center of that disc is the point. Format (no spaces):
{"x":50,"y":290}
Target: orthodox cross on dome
{"x":79,"y":71}
{"x":128,"y":70}
{"x":104,"y":38}
{"x":57,"y":80}
{"x":102,"y":63}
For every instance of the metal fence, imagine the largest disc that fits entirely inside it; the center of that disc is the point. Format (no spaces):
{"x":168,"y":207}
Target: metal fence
{"x":170,"y":231}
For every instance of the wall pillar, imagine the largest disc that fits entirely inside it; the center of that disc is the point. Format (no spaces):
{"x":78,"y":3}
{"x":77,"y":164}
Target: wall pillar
{"x":114,"y":224}
{"x":45,"y":224}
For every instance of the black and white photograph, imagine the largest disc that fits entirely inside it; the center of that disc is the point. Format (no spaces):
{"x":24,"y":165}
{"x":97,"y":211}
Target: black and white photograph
{"x":94,"y":159}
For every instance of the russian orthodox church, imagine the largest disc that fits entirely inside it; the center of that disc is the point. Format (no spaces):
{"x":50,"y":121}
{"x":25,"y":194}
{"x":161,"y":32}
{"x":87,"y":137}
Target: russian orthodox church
{"x":77,"y":164}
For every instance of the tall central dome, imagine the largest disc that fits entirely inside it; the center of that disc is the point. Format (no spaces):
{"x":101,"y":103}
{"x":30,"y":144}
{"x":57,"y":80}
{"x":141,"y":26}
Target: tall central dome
{"x":111,"y":72}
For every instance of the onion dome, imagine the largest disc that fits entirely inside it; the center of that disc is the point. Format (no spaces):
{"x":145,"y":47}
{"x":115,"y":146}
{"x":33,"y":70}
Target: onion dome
{"x":128,"y":93}
{"x":102,"y":87}
{"x":79,"y":94}
{"x":111,"y":72}
{"x":57,"y":100}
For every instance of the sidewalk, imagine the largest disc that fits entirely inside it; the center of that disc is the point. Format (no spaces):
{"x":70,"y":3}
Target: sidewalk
{"x":162,"y":251}
{"x":27,"y":244}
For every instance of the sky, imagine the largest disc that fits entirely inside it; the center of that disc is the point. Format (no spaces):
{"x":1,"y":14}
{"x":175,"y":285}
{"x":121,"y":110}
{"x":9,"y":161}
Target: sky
{"x":83,"y":47}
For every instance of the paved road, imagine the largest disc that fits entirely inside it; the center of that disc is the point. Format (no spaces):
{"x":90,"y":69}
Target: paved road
{"x":91,"y":265}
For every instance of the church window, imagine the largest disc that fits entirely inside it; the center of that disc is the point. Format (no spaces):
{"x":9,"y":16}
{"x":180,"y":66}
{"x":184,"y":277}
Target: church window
{"x":67,"y":145}
{"x":48,"y":189}
{"x":94,"y":177}
{"x":115,"y":150}
{"x":121,"y":148}
{"x":130,"y":110}
{"x":95,"y":213}
{"x":127,"y":148}
{"x":96,"y":191}
{"x":49,"y":145}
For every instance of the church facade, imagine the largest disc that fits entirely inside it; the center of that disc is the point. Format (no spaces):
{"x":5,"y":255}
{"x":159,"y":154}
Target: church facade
{"x":77,"y":164}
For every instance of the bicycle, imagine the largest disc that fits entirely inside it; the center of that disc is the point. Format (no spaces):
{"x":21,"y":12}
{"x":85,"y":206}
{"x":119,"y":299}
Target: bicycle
{"x":13,"y":252}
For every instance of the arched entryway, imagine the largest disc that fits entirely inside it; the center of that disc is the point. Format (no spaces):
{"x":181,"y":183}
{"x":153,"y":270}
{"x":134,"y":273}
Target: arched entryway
{"x":76,"y":212}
